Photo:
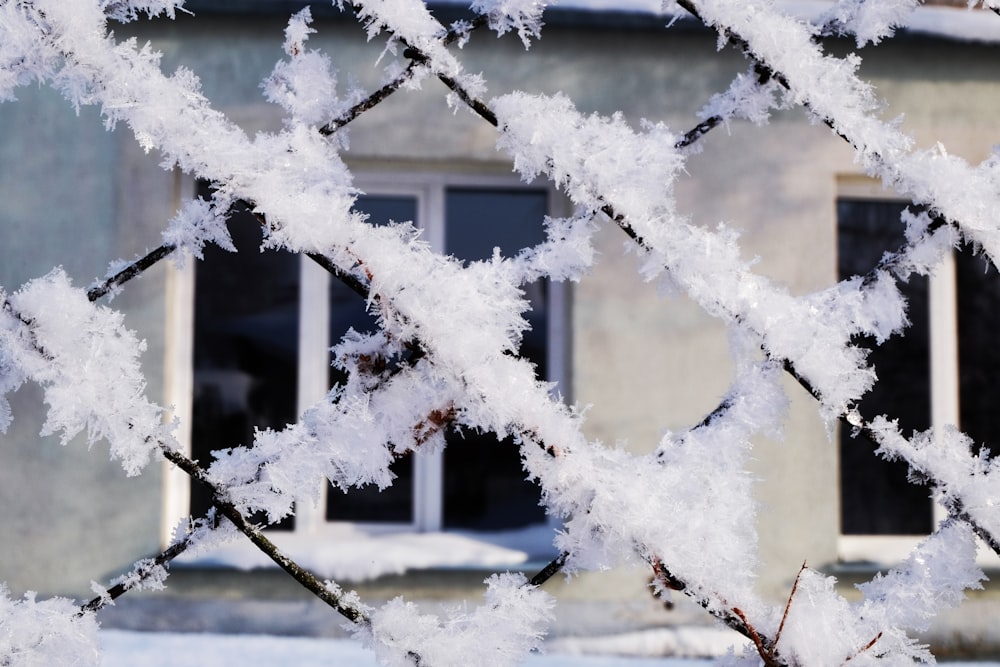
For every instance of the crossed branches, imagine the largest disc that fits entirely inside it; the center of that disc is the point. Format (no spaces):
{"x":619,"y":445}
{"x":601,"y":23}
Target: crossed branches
{"x":732,"y":616}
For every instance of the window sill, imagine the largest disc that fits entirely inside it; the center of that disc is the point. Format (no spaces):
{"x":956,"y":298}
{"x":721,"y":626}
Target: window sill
{"x":351,"y":553}
{"x":863,"y":553}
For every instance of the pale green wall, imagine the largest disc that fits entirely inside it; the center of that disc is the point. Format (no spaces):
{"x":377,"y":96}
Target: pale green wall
{"x":69,"y":515}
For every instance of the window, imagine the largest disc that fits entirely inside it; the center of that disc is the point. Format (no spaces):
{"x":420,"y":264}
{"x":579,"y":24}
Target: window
{"x":264,"y":322}
{"x":875,"y":497}
{"x":939,"y":372}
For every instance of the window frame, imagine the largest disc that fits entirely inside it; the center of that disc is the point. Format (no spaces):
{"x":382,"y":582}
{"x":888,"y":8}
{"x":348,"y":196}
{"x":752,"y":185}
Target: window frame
{"x":428,"y":186}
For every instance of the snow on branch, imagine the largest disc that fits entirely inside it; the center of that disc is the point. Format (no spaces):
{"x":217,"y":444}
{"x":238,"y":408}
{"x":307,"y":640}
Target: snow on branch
{"x":88,"y":365}
{"x":503,"y":631}
{"x":305,"y":85}
{"x":522,"y":16}
{"x":350,"y":440}
{"x":567,"y":253}
{"x":49,"y":632}
{"x":751,"y":96}
{"x":603,"y":164}
{"x":830,"y":88}
{"x":198,"y":222}
{"x":411,"y":22}
{"x":870,"y":21}
{"x":151,"y":573}
{"x":965,"y":480}
{"x":21,"y":61}
{"x":445,"y":354}
{"x":129,"y":10}
{"x":933,"y":577}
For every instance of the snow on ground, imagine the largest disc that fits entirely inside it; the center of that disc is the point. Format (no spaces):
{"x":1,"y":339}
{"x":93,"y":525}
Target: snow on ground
{"x":144,"y":649}
{"x":681,"y":640}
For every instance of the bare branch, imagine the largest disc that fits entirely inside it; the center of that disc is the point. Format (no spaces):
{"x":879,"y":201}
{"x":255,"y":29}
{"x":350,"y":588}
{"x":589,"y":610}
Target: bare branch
{"x":131,"y":271}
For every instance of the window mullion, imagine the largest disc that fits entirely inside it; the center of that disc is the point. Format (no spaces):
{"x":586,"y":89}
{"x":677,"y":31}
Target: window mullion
{"x":179,"y":371}
{"x":428,"y":468}
{"x":944,"y":351}
{"x":313,"y":367}
{"x":179,"y":381}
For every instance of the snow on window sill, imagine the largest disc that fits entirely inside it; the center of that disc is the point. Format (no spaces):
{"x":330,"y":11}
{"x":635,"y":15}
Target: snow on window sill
{"x":881,"y":552}
{"x":356,"y":553}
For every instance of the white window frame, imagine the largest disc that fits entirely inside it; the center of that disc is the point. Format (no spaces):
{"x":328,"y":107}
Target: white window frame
{"x":428,"y":187}
{"x":943,"y":314}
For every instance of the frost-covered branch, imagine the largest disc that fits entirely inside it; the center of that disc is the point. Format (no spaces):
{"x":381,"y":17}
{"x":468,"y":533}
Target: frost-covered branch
{"x":51,"y":333}
{"x":345,"y":604}
{"x":445,"y":353}
{"x":48,"y":632}
{"x":945,"y":183}
{"x":122,"y":275}
{"x":458,"y":33}
{"x":830,"y":89}
{"x":149,"y":572}
{"x":599,"y":143}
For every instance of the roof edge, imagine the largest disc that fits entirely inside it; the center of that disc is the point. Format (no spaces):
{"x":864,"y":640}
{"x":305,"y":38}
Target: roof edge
{"x":931,"y":23}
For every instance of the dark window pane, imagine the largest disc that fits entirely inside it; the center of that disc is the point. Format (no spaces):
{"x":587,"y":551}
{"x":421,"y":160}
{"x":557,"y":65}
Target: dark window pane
{"x":876,"y":498}
{"x":347,"y":310}
{"x":245,"y":345}
{"x":978,"y":286}
{"x":485,"y":486}
{"x":368,"y":504}
{"x":479,"y":220}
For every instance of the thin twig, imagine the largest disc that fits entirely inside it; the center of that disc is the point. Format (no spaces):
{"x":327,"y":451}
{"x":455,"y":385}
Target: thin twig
{"x":550,"y":570}
{"x":351,"y":281}
{"x":371,"y":101}
{"x":864,"y":648}
{"x":391,"y":87}
{"x":143,"y":571}
{"x":698,"y":131}
{"x":763,"y":649}
{"x":473,"y":103}
{"x":784,"y":615}
{"x":733,"y":618}
{"x":131,"y":271}
{"x":328,"y":594}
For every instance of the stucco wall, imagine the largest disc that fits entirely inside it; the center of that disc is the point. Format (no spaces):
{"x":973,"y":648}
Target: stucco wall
{"x":69,"y":515}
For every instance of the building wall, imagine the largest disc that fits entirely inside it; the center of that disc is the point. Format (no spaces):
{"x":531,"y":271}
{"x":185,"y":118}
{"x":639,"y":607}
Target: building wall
{"x":69,"y":515}
{"x":645,"y":362}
